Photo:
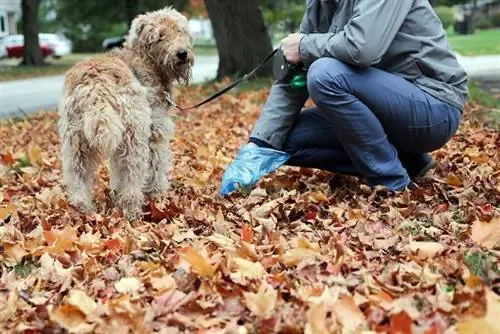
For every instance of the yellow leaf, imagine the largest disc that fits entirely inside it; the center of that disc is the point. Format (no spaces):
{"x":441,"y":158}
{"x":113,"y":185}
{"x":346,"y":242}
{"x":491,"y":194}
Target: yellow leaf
{"x":72,"y":319}
{"x":424,"y":249}
{"x":486,"y":234}
{"x":454,"y":180}
{"x":318,"y":196}
{"x":13,"y":253}
{"x":262,"y":303}
{"x":80,"y":300}
{"x":316,"y":320}
{"x":295,"y":256}
{"x":487,"y":324}
{"x":198,"y":263}
{"x":348,"y":314}
{"x":246,"y":269}
{"x":34,"y":155}
{"x":7,"y":211}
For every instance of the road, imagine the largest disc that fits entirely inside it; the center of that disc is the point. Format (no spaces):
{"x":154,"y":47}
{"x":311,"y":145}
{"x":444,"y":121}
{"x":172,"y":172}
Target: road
{"x":30,"y":95}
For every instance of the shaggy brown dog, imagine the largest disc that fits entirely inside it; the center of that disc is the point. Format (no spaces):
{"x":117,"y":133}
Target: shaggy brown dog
{"x":114,"y":105}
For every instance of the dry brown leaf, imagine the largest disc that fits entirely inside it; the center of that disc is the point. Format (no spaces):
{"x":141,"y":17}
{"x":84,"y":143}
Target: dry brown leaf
{"x":486,"y":234}
{"x":488,"y":324}
{"x":424,"y":249}
{"x":129,"y":285}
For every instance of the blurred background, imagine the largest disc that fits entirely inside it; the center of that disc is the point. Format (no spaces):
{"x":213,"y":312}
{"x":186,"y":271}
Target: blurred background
{"x":42,"y":38}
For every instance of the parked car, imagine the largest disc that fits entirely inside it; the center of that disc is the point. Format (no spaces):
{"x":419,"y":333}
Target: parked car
{"x":113,"y":42}
{"x":15,"y":47}
{"x":11,"y":40}
{"x":61,"y":47}
{"x":50,"y":44}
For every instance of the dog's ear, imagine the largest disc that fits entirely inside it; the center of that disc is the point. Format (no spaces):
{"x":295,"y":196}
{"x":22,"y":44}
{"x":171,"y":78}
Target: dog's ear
{"x":136,"y":28}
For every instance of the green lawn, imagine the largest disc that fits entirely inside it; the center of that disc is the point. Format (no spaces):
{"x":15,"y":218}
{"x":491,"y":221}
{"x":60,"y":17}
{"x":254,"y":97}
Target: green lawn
{"x":10,"y":69}
{"x":482,"y":42}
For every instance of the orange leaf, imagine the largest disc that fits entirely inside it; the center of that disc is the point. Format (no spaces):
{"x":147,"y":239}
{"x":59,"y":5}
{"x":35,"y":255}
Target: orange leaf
{"x":401,"y":323}
{"x":113,"y":244}
{"x":246,"y":233}
{"x":7,"y":211}
{"x":198,"y":263}
{"x":454,"y":180}
{"x":7,"y":158}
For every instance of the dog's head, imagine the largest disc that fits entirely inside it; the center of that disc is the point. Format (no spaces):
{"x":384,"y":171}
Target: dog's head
{"x":164,"y":38}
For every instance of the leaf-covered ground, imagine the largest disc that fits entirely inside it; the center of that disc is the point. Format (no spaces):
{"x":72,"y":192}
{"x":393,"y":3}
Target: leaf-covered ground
{"x":304,"y":252}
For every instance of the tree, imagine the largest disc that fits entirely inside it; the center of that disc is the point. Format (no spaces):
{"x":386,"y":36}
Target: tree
{"x":32,"y":52}
{"x":241,"y":36}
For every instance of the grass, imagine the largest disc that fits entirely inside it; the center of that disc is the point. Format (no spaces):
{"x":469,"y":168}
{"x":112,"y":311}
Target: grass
{"x":482,"y":42}
{"x":10,"y":69}
{"x":490,"y":115}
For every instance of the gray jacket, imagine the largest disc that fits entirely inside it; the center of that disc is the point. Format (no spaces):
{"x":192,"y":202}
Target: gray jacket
{"x":403,"y":37}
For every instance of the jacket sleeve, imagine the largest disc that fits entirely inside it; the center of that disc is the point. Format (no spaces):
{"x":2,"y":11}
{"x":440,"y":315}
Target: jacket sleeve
{"x":281,"y":109}
{"x":365,"y":38}
{"x":279,"y":114}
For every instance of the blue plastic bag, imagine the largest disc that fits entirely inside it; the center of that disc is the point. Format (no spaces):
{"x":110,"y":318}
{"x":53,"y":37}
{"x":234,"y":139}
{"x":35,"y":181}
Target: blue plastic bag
{"x":251,"y":163}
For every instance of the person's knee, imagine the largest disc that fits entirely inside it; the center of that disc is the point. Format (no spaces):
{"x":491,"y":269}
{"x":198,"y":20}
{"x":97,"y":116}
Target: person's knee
{"x":323,"y":75}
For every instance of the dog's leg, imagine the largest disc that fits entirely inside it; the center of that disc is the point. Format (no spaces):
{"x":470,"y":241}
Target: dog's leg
{"x":79,"y":164}
{"x":159,"y":154}
{"x":130,"y":164}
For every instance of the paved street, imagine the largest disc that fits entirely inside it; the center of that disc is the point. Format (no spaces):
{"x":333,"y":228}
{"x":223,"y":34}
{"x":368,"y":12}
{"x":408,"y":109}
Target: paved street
{"x":30,"y":95}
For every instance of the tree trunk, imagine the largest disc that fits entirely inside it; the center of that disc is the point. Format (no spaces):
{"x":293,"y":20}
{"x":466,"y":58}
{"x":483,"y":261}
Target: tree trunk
{"x":32,"y":54}
{"x":131,"y":9}
{"x":241,"y":36}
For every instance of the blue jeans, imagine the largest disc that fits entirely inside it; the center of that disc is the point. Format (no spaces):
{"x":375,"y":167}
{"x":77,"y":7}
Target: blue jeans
{"x":366,"y":122}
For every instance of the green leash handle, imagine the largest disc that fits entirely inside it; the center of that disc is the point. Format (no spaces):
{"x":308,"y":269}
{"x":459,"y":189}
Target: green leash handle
{"x":299,"y":81}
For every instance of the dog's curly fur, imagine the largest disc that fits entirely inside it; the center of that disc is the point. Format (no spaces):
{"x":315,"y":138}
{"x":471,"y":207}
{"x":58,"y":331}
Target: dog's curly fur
{"x":114,"y":105}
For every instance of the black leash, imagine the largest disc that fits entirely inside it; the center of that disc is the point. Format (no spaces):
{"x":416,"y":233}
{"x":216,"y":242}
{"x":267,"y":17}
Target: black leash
{"x":228,"y":88}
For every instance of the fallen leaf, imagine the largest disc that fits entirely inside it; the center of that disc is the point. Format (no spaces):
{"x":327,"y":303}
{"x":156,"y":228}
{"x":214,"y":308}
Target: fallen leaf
{"x":486,"y":234}
{"x":198,"y":263}
{"x":246,"y":233}
{"x":72,"y":319}
{"x":130,"y":285}
{"x":316,"y":320}
{"x":262,"y":303}
{"x":348,"y":314}
{"x":424,"y":249}
{"x":488,"y":324}
{"x":82,"y":301}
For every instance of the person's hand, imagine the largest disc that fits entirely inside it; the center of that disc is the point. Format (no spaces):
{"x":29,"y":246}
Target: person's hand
{"x":290,"y":47}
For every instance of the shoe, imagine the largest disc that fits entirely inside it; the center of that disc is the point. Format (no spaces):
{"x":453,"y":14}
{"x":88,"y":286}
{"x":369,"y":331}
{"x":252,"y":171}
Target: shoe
{"x":418,"y":165}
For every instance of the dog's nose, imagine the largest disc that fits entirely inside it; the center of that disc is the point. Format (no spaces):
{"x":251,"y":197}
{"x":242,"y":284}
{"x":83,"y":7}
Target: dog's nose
{"x":182,"y":54}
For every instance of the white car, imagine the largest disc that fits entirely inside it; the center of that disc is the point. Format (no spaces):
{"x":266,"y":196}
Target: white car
{"x":60,"y":46}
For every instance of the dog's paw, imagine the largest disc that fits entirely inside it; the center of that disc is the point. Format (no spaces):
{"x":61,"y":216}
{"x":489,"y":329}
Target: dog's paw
{"x":82,"y":205}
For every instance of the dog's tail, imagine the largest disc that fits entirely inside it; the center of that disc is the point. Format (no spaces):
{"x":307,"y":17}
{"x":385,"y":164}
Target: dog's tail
{"x":103,"y":129}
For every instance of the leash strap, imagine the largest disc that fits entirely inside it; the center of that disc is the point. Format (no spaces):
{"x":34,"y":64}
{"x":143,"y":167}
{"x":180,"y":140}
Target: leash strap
{"x":228,"y":88}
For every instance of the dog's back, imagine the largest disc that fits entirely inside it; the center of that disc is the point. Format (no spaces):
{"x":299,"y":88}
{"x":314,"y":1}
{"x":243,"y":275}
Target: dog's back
{"x":96,"y":97}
